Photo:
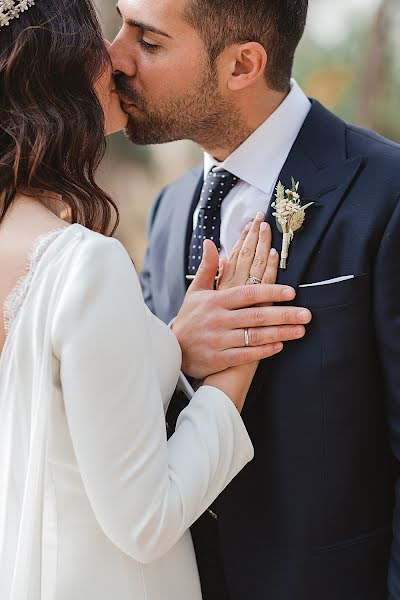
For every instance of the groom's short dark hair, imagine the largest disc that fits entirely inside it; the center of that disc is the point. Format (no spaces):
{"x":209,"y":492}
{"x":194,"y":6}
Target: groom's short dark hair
{"x":277,"y":25}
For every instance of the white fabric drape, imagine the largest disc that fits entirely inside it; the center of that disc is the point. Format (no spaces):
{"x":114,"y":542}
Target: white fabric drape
{"x":23,"y":445}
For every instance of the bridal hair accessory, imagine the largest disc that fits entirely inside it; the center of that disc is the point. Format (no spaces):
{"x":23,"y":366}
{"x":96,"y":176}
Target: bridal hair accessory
{"x":11,"y":9}
{"x":290,"y":216}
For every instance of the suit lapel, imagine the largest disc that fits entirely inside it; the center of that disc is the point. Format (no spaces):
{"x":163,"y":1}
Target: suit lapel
{"x":186,"y":195}
{"x":318,"y":161}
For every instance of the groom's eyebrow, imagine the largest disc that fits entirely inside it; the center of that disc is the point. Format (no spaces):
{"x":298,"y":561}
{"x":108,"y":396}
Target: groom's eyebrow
{"x":143,"y":26}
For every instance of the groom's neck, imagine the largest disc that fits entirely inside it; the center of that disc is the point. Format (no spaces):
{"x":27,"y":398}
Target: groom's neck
{"x":252,"y":110}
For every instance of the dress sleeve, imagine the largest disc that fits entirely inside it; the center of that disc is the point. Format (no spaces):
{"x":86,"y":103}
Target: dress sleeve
{"x":145,"y":492}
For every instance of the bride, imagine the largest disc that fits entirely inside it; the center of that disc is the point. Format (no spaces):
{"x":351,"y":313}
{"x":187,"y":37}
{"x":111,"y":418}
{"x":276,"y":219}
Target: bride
{"x":94,"y":502}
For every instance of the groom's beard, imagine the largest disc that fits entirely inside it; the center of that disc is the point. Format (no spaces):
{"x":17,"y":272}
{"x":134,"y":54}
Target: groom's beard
{"x":201,"y":114}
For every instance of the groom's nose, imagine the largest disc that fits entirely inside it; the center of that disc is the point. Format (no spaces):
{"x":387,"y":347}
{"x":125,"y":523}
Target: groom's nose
{"x":122,"y":60}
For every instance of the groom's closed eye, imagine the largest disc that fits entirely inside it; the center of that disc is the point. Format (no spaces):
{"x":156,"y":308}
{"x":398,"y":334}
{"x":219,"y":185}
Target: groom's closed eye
{"x":148,"y":47}
{"x":142,"y":29}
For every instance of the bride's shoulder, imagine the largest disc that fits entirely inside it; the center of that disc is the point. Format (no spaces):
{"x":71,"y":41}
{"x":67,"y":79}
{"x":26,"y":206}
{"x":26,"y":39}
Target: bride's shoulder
{"x":97,"y":281}
{"x":95,"y":243}
{"x":97,"y":255}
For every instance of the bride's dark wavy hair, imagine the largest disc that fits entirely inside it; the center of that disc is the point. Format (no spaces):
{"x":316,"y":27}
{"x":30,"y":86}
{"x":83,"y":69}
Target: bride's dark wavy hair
{"x":51,"y":121}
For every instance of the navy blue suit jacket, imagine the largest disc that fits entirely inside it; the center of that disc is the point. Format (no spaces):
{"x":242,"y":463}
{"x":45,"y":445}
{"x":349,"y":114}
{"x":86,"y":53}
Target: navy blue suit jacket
{"x":310,"y":518}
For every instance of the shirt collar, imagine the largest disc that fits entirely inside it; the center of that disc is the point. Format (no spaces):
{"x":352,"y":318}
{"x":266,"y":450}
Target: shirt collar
{"x":259,"y":160}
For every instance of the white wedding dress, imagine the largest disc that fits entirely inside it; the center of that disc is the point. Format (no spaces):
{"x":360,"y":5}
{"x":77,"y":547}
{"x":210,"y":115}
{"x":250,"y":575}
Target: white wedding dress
{"x":95,"y":504}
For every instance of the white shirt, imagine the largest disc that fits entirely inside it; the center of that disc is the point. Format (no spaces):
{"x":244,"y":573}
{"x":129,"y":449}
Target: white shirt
{"x":258,"y":163}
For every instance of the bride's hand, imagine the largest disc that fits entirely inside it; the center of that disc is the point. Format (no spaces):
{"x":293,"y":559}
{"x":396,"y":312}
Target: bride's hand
{"x":251,"y":256}
{"x":252,"y":261}
{"x":212,"y":327}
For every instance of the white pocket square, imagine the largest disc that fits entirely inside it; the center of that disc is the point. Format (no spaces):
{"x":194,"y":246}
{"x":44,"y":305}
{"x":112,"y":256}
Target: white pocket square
{"x":327,"y":281}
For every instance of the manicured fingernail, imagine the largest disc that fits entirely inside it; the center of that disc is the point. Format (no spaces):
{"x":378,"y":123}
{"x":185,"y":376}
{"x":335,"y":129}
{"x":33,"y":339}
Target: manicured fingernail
{"x":278,"y":347}
{"x":303,"y":316}
{"x":248,"y":227}
{"x":260,"y":215}
{"x":289,"y":293}
{"x":264,"y":226}
{"x":273,"y":253}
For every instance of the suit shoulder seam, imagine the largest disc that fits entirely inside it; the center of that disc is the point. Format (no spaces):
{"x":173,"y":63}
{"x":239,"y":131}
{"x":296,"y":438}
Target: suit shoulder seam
{"x":377,"y":139}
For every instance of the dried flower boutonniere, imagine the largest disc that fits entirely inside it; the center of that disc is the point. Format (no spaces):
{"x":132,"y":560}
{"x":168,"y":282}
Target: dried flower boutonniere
{"x":290,"y":216}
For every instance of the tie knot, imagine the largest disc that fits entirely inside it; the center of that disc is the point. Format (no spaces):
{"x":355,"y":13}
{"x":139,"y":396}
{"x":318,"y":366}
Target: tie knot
{"x":221,"y":178}
{"x":216,"y":187}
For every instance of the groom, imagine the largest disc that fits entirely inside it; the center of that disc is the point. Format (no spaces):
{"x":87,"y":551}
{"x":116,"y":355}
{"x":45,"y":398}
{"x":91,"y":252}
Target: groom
{"x":313,"y":517}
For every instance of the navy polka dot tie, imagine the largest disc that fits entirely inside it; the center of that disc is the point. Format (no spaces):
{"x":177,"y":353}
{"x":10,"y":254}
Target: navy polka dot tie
{"x":215,"y":189}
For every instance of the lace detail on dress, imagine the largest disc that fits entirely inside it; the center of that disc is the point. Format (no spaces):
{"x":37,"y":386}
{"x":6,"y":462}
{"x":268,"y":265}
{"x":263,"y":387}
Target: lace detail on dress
{"x":16,"y":298}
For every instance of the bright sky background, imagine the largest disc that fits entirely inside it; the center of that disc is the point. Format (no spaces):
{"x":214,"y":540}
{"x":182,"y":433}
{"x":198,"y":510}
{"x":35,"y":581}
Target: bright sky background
{"x":330,"y":21}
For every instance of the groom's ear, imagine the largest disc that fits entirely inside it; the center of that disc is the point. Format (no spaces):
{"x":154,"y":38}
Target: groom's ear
{"x":247,"y":64}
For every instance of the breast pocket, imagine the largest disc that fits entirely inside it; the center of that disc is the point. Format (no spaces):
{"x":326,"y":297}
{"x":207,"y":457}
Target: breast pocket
{"x":342,"y":317}
{"x":341,"y":293}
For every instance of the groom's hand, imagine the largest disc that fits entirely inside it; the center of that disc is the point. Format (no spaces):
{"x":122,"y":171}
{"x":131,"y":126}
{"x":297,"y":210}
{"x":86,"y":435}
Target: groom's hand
{"x":210,"y":325}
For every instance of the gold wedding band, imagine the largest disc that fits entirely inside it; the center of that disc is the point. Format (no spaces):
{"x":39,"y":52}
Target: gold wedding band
{"x":246,"y":337}
{"x":253,"y":280}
